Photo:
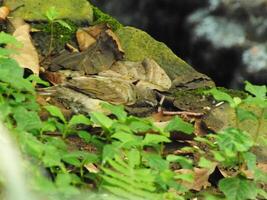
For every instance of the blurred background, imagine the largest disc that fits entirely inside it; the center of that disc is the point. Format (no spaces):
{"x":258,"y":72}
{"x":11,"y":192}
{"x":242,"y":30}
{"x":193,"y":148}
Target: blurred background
{"x":225,"y":39}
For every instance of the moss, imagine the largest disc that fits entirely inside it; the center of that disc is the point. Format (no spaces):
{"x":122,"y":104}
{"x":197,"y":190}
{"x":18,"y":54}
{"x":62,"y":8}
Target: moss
{"x":138,"y":45}
{"x":34,"y":10}
{"x":101,"y":17}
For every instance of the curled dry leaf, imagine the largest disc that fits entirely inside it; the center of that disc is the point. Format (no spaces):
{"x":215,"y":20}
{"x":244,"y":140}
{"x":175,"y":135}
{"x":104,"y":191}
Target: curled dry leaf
{"x":111,"y":89}
{"x":4,"y":12}
{"x":27,"y":56}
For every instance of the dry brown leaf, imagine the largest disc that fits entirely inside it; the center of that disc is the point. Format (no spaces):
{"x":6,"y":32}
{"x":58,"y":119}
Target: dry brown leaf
{"x":95,"y":30}
{"x":91,"y":168}
{"x":4,"y":12}
{"x":27,"y":56}
{"x":84,"y":39}
{"x":97,"y":58}
{"x":201,"y":178}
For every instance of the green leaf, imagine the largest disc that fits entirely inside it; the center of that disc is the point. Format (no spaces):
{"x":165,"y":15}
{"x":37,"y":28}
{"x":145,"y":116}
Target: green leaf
{"x":134,"y":158}
{"x":127,"y":138}
{"x":109,"y":151}
{"x":221,"y":96}
{"x":38,"y":80}
{"x":258,"y":91}
{"x":177,"y":124}
{"x":52,"y":14}
{"x":155,"y":161}
{"x":55,"y":112}
{"x":250,"y":159}
{"x":205,"y":163}
{"x":117,"y":110}
{"x":153,"y":139}
{"x":85,"y":136}
{"x":238,"y":188}
{"x":79,"y":119}
{"x":6,"y":38}
{"x":101,"y":119}
{"x":140,"y":126}
{"x":72,"y":159}
{"x":27,"y":120}
{"x":185,"y":163}
{"x":245,"y":115}
{"x":231,"y":141}
{"x":51,"y":157}
{"x":63,"y":23}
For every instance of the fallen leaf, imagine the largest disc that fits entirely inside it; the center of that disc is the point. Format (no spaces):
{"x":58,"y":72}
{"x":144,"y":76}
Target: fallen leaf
{"x":84,"y":39}
{"x":95,"y":30}
{"x":97,"y":58}
{"x":91,"y":168}
{"x":27,"y":56}
{"x":201,"y":177}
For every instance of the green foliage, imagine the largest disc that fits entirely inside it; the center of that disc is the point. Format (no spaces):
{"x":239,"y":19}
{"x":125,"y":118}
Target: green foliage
{"x":130,"y":160}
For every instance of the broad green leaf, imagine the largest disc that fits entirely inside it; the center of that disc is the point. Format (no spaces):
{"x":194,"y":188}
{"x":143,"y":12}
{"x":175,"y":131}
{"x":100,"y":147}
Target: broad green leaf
{"x":140,"y":126}
{"x":63,"y":23}
{"x":205,"y":163}
{"x":79,"y":119}
{"x":245,"y":115}
{"x":189,"y":177}
{"x":6,"y":38}
{"x":85,"y":136}
{"x":109,"y":151}
{"x":27,"y":120}
{"x":258,"y":91}
{"x":233,"y":140}
{"x":52,"y":157}
{"x":72,"y":159}
{"x":134,"y":158}
{"x":101,"y":119}
{"x":55,"y":112}
{"x":238,"y":188}
{"x":185,"y":163}
{"x":153,"y":139}
{"x":155,"y":161}
{"x":221,"y":96}
{"x":126,"y":137}
{"x":250,"y":160}
{"x":177,"y":124}
{"x":117,"y":110}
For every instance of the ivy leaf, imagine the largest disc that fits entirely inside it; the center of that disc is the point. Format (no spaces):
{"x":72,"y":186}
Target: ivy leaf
{"x":250,"y":159}
{"x":238,"y":188}
{"x":177,"y":124}
{"x":155,"y":161}
{"x":85,"y":136}
{"x":258,"y":91}
{"x":79,"y":119}
{"x":55,"y":112}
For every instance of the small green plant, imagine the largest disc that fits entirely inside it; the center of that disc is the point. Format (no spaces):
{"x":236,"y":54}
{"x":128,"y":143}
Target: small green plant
{"x":52,"y":15}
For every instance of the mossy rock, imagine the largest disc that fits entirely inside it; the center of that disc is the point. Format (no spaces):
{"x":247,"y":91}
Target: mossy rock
{"x":139,"y":45}
{"x":34,"y":10}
